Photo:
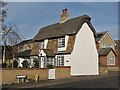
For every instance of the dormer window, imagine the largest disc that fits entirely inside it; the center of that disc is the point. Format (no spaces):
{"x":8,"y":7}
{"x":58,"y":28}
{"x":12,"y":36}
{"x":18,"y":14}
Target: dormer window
{"x":61,"y":42}
{"x":42,"y":45}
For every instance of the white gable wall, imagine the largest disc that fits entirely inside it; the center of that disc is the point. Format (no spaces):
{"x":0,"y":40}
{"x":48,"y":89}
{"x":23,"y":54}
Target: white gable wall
{"x":84,"y":58}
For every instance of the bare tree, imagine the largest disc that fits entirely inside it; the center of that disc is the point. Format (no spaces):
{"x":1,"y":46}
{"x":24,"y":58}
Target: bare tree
{"x":8,"y":34}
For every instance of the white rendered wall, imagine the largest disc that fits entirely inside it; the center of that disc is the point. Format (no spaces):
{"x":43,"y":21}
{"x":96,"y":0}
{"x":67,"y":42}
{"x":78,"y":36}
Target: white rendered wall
{"x":21,"y":60}
{"x":67,"y":60}
{"x":84,"y":58}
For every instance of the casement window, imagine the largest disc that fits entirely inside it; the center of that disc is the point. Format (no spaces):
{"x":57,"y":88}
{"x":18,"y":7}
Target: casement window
{"x":50,"y":61}
{"x":102,"y":46}
{"x":42,"y":45}
{"x":60,"y":60}
{"x":112,"y":61}
{"x":61,"y":42}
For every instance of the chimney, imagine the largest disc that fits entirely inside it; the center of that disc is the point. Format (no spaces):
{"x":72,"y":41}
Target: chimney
{"x":64,"y":15}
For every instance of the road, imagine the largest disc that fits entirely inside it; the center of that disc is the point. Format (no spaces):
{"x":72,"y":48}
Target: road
{"x":105,"y":81}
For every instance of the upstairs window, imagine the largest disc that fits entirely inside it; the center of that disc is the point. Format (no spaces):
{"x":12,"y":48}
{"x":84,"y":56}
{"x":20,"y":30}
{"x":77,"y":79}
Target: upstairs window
{"x":102,"y":46}
{"x":109,"y":46}
{"x":61,"y":42}
{"x":42,"y":45}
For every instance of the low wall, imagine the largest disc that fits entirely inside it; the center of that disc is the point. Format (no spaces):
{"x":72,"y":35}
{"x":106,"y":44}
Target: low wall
{"x":9,"y":74}
{"x":103,"y":70}
{"x":62,"y":72}
{"x":113,"y":68}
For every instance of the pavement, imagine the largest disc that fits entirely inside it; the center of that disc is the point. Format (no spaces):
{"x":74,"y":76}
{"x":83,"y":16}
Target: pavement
{"x":47,"y":83}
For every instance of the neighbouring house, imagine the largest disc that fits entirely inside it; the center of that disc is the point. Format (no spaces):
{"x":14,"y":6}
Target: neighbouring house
{"x":117,"y":50}
{"x":70,"y":42}
{"x":106,"y":49}
{"x":22,"y":51}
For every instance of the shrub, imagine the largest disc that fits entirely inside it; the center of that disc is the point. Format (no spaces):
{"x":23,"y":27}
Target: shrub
{"x":10,"y":65}
{"x":15,"y":64}
{"x":36,"y":63}
{"x":4,"y":65}
{"x":50,"y":66}
{"x":25,"y":64}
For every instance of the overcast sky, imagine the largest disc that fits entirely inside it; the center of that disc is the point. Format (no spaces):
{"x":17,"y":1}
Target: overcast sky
{"x":29,"y":17}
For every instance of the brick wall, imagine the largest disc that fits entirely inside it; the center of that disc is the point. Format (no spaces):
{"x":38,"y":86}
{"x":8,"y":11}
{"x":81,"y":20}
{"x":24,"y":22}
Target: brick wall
{"x":62,"y":72}
{"x":103,"y":60}
{"x":9,"y":74}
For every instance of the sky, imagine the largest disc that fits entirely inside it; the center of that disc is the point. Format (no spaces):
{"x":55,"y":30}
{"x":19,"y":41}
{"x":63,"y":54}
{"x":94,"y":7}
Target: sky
{"x":29,"y":17}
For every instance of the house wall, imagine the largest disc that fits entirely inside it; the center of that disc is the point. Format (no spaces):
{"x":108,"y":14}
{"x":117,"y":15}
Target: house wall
{"x":106,"y":40}
{"x":25,"y":47}
{"x":21,"y":60}
{"x":52,"y":44}
{"x":35,"y":48}
{"x":103,"y":60}
{"x":84,"y":58}
{"x":67,"y":61}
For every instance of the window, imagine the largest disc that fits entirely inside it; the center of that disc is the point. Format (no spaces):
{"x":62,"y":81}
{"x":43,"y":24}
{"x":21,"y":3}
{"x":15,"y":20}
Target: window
{"x":50,"y":61}
{"x":111,"y":61}
{"x":109,"y":46}
{"x":42,"y":45}
{"x":60,"y":60}
{"x":61,"y":42}
{"x":102,"y":46}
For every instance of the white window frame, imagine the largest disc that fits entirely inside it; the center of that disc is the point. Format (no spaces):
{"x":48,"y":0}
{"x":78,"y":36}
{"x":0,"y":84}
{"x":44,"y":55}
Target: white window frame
{"x":60,"y":60}
{"x":102,"y":46}
{"x":61,"y":42}
{"x":42,"y":45}
{"x":109,"y":46}
{"x":112,"y":58}
{"x":50,"y":60}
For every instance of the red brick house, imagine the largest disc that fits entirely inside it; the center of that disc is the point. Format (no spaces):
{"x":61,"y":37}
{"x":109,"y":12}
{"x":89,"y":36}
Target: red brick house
{"x":106,"y":49}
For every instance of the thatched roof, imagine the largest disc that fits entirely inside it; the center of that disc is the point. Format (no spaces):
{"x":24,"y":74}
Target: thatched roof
{"x":25,"y":42}
{"x":70,"y":27}
{"x":24,"y":53}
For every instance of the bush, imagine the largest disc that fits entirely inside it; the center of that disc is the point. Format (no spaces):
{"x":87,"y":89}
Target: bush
{"x":15,"y":64}
{"x":25,"y":64}
{"x":4,"y":65}
{"x":10,"y":65}
{"x":50,"y":66}
{"x":36,"y":63}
